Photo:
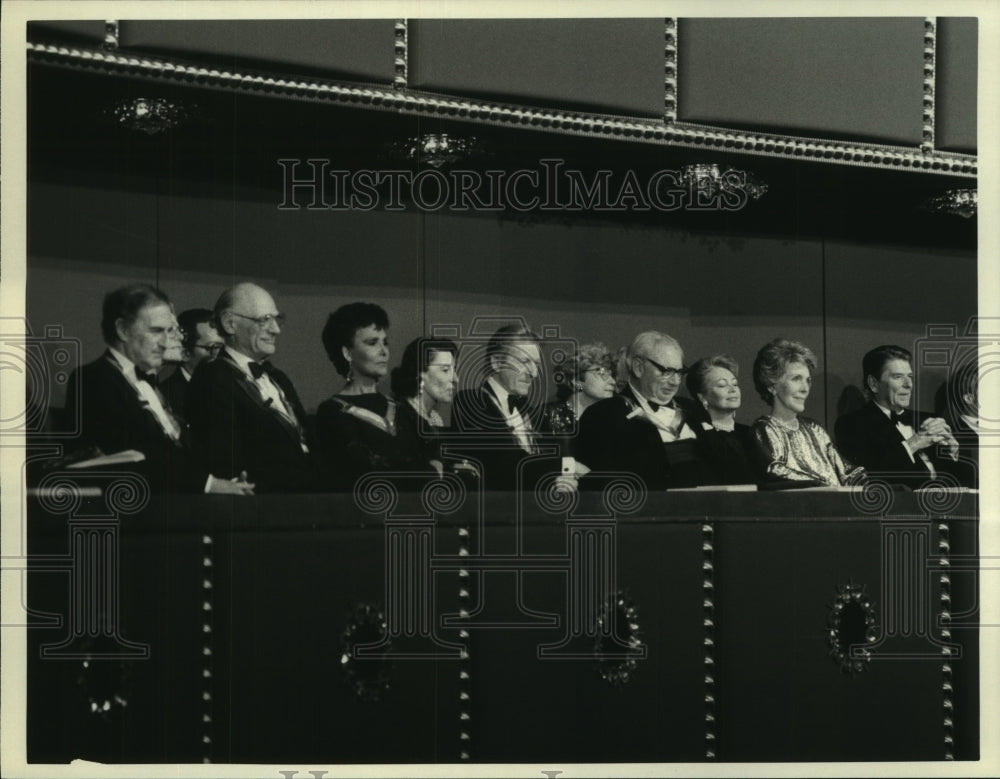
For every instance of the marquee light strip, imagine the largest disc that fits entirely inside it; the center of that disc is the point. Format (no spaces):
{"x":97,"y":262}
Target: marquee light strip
{"x":648,"y":131}
{"x":708,"y":628}
{"x":110,"y":35}
{"x":944,"y":618}
{"x":401,"y":54}
{"x":930,"y":64}
{"x":670,"y":72}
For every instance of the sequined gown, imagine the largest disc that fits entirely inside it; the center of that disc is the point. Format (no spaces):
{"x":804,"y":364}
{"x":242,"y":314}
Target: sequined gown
{"x":806,"y":454}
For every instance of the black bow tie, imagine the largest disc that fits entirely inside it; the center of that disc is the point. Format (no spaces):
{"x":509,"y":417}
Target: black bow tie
{"x":149,"y":378}
{"x":902,"y":418}
{"x":258,"y":369}
{"x":517,"y":402}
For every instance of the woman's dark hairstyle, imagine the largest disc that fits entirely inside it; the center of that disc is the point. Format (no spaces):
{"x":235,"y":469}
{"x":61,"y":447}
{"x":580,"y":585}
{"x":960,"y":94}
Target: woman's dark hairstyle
{"x":126,"y":303}
{"x":772,"y":360}
{"x":695,"y":380}
{"x":405,"y":380}
{"x":342,"y":325}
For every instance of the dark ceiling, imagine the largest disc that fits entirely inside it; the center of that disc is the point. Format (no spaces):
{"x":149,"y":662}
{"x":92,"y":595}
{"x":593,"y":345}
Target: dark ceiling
{"x":230,"y":143}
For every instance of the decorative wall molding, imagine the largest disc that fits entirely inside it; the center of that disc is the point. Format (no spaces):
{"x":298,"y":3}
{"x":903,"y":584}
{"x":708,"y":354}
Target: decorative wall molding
{"x":636,"y":130}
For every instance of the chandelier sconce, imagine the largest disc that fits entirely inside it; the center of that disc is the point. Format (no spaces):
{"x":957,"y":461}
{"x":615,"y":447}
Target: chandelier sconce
{"x":957,"y":202}
{"x":437,"y":149}
{"x":151,"y":115}
{"x":710,"y":180}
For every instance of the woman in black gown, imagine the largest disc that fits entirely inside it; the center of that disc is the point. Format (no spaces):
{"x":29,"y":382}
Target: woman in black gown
{"x":423,"y":384}
{"x":357,"y":426}
{"x":727,"y":444}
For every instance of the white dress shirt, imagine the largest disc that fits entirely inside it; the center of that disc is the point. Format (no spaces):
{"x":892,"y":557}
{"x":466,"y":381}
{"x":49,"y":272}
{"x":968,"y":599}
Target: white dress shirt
{"x":522,"y":430}
{"x":271,"y":392}
{"x":669,"y":421}
{"x":149,"y":397}
{"x":908,"y":432}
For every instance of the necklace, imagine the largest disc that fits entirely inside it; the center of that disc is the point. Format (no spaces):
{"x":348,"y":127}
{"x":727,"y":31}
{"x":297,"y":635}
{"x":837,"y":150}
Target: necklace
{"x":433,"y":418}
{"x":793,"y":427}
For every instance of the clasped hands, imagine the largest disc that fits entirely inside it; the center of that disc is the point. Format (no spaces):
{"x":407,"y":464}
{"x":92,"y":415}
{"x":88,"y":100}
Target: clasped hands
{"x":933,"y":430}
{"x":238,"y":485}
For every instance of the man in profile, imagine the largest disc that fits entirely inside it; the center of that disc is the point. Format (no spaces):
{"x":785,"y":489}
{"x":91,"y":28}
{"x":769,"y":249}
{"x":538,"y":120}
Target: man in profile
{"x":245,"y":414}
{"x":120,"y":406}
{"x":200,"y":341}
{"x":646,"y":429}
{"x":961,"y":412}
{"x":892,"y":442}
{"x":496,"y":417}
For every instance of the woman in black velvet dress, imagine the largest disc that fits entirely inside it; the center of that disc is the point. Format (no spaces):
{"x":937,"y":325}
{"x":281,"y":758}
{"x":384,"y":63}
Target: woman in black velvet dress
{"x":727,"y":445}
{"x":357,"y":427}
{"x":423,"y":384}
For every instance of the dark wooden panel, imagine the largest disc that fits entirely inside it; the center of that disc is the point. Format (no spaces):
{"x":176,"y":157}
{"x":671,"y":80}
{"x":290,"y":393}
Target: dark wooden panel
{"x":534,"y":701}
{"x":88,"y":32}
{"x":781,"y":695}
{"x":358,"y":48}
{"x":956,"y":81}
{"x":614,"y":65}
{"x":842,"y":78}
{"x":285,"y":570}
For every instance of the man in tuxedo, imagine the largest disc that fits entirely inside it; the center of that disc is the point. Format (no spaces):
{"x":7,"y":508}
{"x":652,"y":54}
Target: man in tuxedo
{"x":244,"y":413}
{"x":961,"y":412}
{"x":120,"y":406}
{"x":892,"y":442}
{"x":495,"y":419}
{"x":646,"y":429}
{"x":199,"y":341}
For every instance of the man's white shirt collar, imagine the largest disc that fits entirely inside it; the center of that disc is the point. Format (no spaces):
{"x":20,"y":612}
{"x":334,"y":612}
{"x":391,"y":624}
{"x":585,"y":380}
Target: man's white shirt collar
{"x":241,"y":360}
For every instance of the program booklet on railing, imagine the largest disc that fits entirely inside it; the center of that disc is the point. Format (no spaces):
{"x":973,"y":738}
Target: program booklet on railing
{"x":118,"y":458}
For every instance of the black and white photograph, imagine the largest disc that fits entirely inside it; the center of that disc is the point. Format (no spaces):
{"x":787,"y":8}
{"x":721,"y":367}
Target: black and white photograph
{"x":410,"y":389}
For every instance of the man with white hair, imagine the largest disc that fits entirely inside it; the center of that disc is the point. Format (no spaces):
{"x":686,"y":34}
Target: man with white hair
{"x":646,"y":430}
{"x":245,"y":414}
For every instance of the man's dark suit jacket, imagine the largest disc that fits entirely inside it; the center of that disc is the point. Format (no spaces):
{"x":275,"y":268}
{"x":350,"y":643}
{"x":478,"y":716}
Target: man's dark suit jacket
{"x":609,"y":441}
{"x":868,"y":437}
{"x":174,"y":389}
{"x":967,"y":468}
{"x":478,"y":423}
{"x":234,"y":430}
{"x":112,"y":417}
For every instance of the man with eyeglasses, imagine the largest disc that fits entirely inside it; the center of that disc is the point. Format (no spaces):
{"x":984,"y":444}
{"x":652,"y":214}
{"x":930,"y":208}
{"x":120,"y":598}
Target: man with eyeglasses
{"x":120,"y":406}
{"x":200,"y":341}
{"x":645,"y":429}
{"x":245,"y":413}
{"x":496,"y":417}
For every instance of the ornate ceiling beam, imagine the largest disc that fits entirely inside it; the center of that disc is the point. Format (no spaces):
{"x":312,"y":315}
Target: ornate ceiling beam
{"x":401,"y":100}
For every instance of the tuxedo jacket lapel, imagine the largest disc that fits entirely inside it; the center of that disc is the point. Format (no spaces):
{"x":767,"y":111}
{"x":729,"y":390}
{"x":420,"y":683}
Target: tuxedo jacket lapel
{"x":252,"y":392}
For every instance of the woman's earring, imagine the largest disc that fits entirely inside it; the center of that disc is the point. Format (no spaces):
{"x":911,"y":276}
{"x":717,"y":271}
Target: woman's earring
{"x":579,"y":388}
{"x":705,"y":404}
{"x":350,"y":372}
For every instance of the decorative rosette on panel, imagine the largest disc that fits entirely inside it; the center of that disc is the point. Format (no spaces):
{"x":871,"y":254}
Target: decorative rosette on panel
{"x":851,"y":628}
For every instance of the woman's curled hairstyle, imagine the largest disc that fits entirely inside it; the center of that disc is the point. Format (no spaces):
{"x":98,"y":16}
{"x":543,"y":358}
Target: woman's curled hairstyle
{"x":772,"y":360}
